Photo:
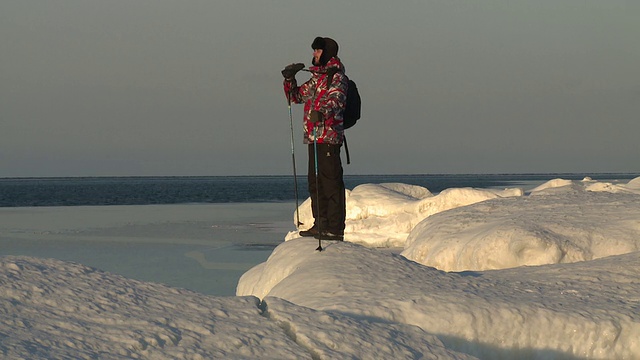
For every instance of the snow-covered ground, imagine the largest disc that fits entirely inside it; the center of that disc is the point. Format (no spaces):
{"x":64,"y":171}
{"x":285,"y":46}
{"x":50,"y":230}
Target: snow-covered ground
{"x":547,"y":273}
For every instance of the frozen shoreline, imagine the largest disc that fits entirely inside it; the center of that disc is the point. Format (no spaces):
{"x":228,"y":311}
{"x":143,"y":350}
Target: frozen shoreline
{"x":354,"y":301}
{"x":212,"y":245}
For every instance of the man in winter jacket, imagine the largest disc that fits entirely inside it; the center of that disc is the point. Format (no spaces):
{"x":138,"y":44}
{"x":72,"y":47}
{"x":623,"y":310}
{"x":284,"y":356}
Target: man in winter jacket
{"x":324,"y":98}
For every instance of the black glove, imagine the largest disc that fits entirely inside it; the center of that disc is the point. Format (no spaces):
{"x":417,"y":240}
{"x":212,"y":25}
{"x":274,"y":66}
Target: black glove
{"x":316,"y":116}
{"x":290,"y":71}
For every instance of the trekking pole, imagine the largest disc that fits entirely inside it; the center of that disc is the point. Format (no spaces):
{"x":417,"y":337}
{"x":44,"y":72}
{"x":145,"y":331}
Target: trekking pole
{"x":315,"y":152}
{"x":293,"y":158}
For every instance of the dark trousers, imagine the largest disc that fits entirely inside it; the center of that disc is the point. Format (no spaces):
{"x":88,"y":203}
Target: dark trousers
{"x":327,"y":199}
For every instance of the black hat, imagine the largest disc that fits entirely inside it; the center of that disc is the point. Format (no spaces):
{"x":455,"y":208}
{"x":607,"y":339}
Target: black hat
{"x":329,"y":48}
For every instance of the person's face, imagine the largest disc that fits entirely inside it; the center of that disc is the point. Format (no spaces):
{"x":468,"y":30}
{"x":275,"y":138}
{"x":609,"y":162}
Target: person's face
{"x":316,"y":56}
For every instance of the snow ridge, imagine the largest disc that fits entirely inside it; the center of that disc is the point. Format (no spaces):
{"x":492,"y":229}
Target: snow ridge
{"x":578,"y":310}
{"x":56,"y":309}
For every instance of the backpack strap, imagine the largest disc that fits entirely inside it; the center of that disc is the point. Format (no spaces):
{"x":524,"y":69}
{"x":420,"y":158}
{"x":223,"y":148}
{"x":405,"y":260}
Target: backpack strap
{"x":346,"y":149}
{"x":330,"y":73}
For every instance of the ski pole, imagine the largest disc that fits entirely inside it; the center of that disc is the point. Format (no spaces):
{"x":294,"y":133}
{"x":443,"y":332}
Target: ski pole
{"x":293,"y":158}
{"x":315,"y":153}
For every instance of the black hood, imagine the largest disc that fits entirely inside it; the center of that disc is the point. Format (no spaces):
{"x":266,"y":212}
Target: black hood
{"x":329,"y":49}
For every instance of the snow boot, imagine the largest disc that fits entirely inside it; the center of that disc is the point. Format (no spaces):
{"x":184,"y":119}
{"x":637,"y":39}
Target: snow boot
{"x":326,"y":235}
{"x":309,"y":233}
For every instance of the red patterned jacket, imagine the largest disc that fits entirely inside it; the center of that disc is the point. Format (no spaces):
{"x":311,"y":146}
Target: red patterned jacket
{"x":327,"y":96}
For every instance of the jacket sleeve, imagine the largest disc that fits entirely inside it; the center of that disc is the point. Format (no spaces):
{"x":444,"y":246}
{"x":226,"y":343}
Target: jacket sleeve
{"x":297,"y":94}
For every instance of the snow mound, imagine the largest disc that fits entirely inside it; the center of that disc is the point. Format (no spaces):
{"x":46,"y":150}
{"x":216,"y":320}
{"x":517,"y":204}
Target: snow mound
{"x":51,"y":309}
{"x":61,"y":310}
{"x":502,"y":233}
{"x":559,"y":186}
{"x":383,"y":215}
{"x":479,"y":229}
{"x":579,"y":310}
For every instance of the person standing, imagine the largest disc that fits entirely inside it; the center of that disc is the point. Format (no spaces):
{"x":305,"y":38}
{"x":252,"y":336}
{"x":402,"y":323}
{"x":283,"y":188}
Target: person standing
{"x":324,"y":98}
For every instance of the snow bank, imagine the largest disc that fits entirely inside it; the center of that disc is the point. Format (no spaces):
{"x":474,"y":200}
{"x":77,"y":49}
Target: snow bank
{"x":587,"y":184}
{"x":579,"y":310}
{"x":560,"y":222}
{"x":51,"y":309}
{"x":383,"y":215}
{"x":480,"y":229}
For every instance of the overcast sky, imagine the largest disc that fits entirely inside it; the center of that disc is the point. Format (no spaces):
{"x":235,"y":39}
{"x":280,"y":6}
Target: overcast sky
{"x":165,"y":87}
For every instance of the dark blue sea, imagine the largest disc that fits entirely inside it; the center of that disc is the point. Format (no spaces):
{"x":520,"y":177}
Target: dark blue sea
{"x":82,"y":191}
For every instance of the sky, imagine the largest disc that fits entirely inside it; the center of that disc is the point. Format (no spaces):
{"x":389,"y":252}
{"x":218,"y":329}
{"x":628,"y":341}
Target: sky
{"x":164,"y":88}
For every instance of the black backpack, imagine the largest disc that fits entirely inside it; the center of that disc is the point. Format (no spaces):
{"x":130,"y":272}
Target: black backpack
{"x":352,"y":109}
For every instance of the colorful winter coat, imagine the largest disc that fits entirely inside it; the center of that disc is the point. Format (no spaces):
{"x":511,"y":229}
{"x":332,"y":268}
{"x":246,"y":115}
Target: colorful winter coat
{"x":327,"y":96}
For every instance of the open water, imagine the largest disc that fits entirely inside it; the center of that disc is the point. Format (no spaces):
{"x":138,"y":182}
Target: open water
{"x":77,"y":191}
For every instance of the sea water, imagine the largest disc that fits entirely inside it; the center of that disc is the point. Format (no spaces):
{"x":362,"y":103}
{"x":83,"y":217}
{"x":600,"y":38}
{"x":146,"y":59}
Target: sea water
{"x":199,"y":233}
{"x":19,"y":192}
